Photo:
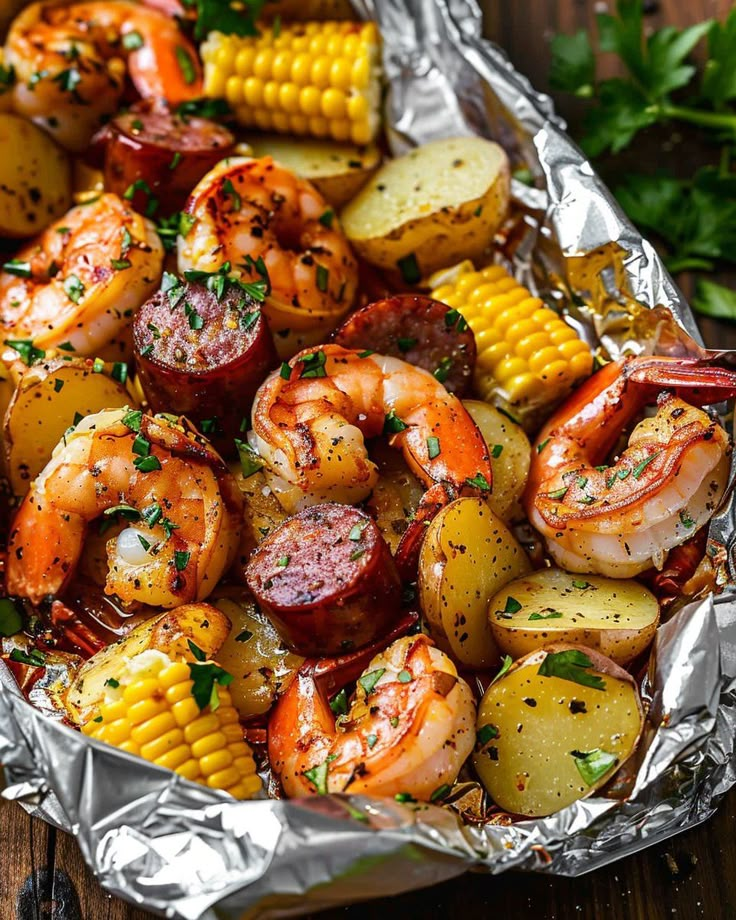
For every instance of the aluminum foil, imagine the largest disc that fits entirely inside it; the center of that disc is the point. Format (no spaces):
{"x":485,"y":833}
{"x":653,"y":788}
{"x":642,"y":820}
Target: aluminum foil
{"x":190,"y":852}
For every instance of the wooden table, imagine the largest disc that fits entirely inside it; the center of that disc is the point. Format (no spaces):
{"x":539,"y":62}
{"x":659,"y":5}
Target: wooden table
{"x":43,"y":876}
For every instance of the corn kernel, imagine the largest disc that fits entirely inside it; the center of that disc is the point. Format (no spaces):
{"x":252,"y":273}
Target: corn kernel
{"x":234,"y":90}
{"x":541,"y":359}
{"x":213,"y":762}
{"x":158,"y":725}
{"x":301,"y":69}
{"x":263,"y":63}
{"x":175,"y":757}
{"x":212,"y":741}
{"x":253,"y":91}
{"x":202,"y":726}
{"x":280,"y":121}
{"x":334,"y":103}
{"x":224,"y":778}
{"x":141,"y":690}
{"x":340,"y":73}
{"x":281,"y":70}
{"x":310,"y":100}
{"x":159,"y":746}
{"x":244,"y":61}
{"x":189,"y":769}
{"x":321,"y":71}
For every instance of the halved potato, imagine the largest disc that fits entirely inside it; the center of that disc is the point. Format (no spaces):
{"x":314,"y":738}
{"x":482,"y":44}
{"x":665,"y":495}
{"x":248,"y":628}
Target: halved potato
{"x":554,"y":728}
{"x":262,"y":513}
{"x":261,"y":665}
{"x":434,"y":206}
{"x":49,"y":397}
{"x":468,"y":553}
{"x":511,"y":454}
{"x":204,"y":624}
{"x":396,"y":495}
{"x":616,"y":616}
{"x":35,"y":178}
{"x":337,"y":171}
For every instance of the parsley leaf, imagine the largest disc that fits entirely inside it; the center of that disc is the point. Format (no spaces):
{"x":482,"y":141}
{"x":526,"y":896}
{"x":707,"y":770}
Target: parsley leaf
{"x":571,"y":665}
{"x":714,"y":300}
{"x":573,"y":64}
{"x":11,"y":621}
{"x":231,"y":17}
{"x":593,"y":764}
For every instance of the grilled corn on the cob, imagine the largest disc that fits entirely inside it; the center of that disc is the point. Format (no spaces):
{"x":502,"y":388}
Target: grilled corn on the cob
{"x":528,"y":357}
{"x":318,"y":78}
{"x":151,"y":711}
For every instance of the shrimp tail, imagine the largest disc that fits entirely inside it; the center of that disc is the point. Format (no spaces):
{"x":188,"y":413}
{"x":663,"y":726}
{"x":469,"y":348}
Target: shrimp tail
{"x":432,"y":502}
{"x":697,"y":381}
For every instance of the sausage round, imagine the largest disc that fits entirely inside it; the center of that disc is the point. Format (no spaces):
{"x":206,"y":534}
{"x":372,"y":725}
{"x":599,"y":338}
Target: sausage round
{"x":203,"y":356}
{"x":327,"y":580}
{"x":156,"y":158}
{"x":419,"y":330}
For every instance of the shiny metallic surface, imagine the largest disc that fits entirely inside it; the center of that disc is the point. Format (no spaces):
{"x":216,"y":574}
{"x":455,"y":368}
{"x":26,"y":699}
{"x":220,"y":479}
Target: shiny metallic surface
{"x":186,"y":851}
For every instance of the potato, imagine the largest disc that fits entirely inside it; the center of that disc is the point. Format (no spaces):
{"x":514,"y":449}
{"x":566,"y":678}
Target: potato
{"x":35,"y":178}
{"x":204,"y":624}
{"x":262,"y":514}
{"x":511,"y":455}
{"x":48,"y":398}
{"x":468,"y":553}
{"x":554,"y":728}
{"x":430,"y":208}
{"x":615,"y":616}
{"x":337,"y":171}
{"x":395,"y":496}
{"x":261,"y":665}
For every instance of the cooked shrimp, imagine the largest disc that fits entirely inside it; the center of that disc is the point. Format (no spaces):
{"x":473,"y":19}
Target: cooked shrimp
{"x":622,"y":518}
{"x":78,"y":284}
{"x":245,"y":210}
{"x":70,"y":61}
{"x":310,"y":428}
{"x":184,"y":505}
{"x":410,"y":727}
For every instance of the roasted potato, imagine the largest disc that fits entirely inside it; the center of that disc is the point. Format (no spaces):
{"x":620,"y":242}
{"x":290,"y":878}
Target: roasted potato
{"x":395,"y":496}
{"x":467,"y":554}
{"x":510,"y":452}
{"x":35,"y":178}
{"x":615,"y":616}
{"x":261,"y":665}
{"x":440,"y":203}
{"x":337,"y":171}
{"x":261,"y":515}
{"x":204,"y":624}
{"x":49,"y":397}
{"x":554,"y":728}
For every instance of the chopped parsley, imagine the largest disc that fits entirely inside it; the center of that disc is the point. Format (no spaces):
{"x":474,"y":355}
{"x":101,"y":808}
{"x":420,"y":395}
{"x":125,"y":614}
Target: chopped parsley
{"x":572,"y":665}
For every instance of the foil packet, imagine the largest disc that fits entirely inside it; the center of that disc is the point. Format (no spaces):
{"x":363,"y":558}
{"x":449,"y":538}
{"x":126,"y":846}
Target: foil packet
{"x":189,"y":852}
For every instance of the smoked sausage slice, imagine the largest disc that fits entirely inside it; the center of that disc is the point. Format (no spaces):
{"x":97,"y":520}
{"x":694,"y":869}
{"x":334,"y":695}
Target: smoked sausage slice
{"x":203,"y":356}
{"x":420,"y":330}
{"x":327,"y":580}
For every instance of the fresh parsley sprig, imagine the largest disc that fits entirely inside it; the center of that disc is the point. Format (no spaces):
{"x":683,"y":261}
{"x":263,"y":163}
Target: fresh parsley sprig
{"x":657,"y":66}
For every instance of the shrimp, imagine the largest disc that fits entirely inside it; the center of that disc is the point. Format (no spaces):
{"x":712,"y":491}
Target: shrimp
{"x":410,"y":727}
{"x":78,"y":284}
{"x":309,"y":428}
{"x":70,"y":61}
{"x":622,"y":518}
{"x":183,"y":506}
{"x":244,"y":210}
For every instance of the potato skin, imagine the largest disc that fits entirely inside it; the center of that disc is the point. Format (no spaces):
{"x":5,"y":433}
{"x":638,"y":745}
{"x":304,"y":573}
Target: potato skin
{"x":467,"y":554}
{"x":337,"y":171}
{"x":35,"y":178}
{"x":254,"y":653}
{"x":326,"y":579}
{"x":615,"y":616}
{"x":385,"y":224}
{"x":46,"y":400}
{"x":531,"y":727}
{"x":510,"y":452}
{"x":204,"y":624}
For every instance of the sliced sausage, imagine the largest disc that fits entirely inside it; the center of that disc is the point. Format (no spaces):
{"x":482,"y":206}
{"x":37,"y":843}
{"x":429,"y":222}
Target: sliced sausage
{"x":420,"y":330}
{"x":155,"y":158}
{"x":327,"y":580}
{"x":203,"y":356}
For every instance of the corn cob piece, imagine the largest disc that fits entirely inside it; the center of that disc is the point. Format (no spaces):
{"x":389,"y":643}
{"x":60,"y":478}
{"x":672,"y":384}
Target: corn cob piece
{"x":528,"y":356}
{"x":320,"y":79}
{"x":152,"y":712}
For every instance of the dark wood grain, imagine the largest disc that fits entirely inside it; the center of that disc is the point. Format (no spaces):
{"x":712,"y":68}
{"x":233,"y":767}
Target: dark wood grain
{"x":691,"y":876}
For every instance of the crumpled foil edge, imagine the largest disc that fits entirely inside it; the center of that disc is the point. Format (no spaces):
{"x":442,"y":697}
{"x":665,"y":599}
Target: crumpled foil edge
{"x":189,"y":852}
